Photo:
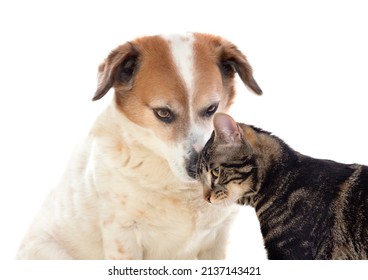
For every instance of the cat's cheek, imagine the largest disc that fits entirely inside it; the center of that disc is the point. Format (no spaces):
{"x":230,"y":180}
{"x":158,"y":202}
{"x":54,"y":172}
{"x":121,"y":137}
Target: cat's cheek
{"x":222,"y":202}
{"x":234,"y":193}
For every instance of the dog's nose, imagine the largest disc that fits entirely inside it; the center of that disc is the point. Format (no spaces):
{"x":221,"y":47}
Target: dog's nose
{"x":192,"y":164}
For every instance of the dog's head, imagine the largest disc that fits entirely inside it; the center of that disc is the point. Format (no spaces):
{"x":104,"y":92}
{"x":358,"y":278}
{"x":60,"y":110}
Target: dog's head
{"x":170,"y":87}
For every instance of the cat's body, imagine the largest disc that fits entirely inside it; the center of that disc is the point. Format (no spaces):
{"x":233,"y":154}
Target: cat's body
{"x":307,"y":208}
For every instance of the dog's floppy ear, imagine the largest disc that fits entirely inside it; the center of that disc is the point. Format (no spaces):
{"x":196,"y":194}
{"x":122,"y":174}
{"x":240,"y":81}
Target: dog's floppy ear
{"x":231,"y":59}
{"x":118,"y":68}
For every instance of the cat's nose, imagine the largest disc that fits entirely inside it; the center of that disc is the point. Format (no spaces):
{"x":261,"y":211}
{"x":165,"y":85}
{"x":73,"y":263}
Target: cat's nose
{"x":208,"y":197}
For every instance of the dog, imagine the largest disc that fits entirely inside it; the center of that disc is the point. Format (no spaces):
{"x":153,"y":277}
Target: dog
{"x":130,"y":189}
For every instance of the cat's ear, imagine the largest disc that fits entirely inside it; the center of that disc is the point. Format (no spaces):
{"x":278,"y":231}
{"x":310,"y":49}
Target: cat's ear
{"x":227,"y":130}
{"x":117,"y":69}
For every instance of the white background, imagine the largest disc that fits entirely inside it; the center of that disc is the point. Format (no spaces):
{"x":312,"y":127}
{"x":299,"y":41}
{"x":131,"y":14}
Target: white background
{"x":309,"y":57}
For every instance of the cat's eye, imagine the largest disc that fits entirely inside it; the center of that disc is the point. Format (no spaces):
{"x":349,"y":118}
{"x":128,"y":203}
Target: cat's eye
{"x":215,"y":172}
{"x":164,"y":115}
{"x":210,"y":110}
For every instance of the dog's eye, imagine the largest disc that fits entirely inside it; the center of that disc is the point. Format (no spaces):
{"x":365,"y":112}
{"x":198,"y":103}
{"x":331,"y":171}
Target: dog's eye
{"x":215,"y":172}
{"x":210,"y":110}
{"x":164,"y":115}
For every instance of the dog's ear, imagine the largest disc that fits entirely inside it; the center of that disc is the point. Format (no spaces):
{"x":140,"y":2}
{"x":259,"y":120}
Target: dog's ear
{"x":232,"y":60}
{"x":118,"y":68}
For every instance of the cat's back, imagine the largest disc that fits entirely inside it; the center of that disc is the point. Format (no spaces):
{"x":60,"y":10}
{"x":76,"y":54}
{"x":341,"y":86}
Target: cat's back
{"x":350,"y":227}
{"x":308,"y":208}
{"x":343,"y":190}
{"x":324,"y":208}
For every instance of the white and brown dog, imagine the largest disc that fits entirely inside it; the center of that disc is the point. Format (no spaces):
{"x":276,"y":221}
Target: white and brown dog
{"x":129,"y":191}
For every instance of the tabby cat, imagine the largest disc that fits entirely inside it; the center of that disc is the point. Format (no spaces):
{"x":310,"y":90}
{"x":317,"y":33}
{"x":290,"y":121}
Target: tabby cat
{"x":307,"y":208}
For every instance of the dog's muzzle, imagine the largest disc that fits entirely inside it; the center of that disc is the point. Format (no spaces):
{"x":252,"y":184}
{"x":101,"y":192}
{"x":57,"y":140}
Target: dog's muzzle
{"x":191,"y":164}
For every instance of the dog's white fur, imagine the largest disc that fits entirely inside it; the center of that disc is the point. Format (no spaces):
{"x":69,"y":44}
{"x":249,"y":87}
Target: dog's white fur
{"x":126,"y":193}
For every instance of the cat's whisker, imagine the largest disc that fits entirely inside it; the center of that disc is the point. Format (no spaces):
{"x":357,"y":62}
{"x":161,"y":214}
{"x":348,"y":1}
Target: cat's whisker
{"x":252,"y":190}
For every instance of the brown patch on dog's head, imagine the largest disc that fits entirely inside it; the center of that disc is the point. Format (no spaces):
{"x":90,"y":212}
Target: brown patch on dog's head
{"x":145,"y":78}
{"x":216,"y":62}
{"x":217,"y":57}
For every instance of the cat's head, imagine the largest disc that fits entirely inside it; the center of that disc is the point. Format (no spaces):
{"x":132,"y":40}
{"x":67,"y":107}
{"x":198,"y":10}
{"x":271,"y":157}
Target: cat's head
{"x":227,"y":163}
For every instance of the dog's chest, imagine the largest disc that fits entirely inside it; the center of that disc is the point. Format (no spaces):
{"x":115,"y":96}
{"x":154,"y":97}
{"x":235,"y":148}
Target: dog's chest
{"x":164,"y":226}
{"x":145,"y":212}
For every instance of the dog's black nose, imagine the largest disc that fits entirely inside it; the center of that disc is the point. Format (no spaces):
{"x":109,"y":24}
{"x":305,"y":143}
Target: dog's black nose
{"x":192,"y":165}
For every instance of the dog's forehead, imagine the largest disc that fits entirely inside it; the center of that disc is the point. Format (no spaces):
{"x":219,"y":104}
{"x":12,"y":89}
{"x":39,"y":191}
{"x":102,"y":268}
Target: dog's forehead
{"x":189,"y":58}
{"x":182,"y":52}
{"x":195,"y":56}
{"x":179,"y":72}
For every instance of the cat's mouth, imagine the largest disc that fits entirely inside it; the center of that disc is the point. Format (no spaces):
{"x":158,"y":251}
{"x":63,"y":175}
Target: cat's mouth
{"x":217,"y":196}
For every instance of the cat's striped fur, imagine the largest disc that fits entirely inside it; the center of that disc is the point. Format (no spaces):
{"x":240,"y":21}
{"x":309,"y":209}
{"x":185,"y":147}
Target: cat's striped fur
{"x":307,"y":208}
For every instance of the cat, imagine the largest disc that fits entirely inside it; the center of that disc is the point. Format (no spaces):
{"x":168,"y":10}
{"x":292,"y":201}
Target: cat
{"x":307,"y":208}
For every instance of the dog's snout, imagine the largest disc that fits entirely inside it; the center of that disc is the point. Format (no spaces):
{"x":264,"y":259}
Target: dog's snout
{"x":191,"y":165}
